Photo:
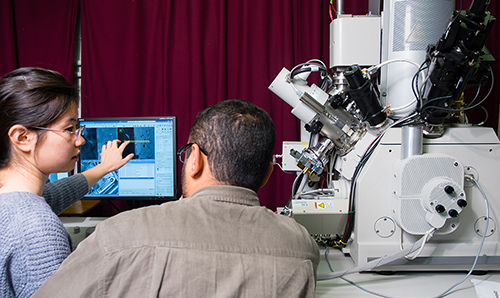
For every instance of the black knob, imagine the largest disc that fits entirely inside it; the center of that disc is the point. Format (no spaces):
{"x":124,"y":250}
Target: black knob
{"x":453,"y":213}
{"x":337,"y":101}
{"x":449,"y":189}
{"x":462,"y":203}
{"x":440,"y":208}
{"x":315,"y":127}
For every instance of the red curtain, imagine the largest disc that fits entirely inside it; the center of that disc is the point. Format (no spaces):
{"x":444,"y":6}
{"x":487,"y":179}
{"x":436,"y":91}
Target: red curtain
{"x":38,"y":34}
{"x":156,"y":57}
{"x":167,"y":57}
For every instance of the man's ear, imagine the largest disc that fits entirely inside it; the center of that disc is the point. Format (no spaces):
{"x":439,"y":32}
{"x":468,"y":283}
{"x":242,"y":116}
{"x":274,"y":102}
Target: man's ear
{"x":21,"y":137}
{"x":269,"y":171}
{"x":195,"y":163}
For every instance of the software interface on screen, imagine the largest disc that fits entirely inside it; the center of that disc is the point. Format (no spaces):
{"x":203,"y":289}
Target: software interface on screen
{"x":56,"y":176}
{"x":150,"y":174}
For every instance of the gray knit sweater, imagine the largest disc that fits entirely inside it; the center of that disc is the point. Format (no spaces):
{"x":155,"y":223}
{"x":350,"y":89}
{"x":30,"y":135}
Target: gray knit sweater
{"x":33,"y":241}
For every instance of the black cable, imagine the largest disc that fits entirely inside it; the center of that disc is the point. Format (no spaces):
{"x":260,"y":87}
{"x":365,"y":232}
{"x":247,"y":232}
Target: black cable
{"x":451,"y":111}
{"x":297,"y":71}
{"x":295,"y":186}
{"x":414,"y":85}
{"x":352,"y":194}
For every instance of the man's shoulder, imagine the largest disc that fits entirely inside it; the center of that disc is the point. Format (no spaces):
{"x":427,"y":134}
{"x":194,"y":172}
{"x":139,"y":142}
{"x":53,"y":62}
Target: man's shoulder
{"x":294,"y":231}
{"x":134,"y":216}
{"x":143,"y":218}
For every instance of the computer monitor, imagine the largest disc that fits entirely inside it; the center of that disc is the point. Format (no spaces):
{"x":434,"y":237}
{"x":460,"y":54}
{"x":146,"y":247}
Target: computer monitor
{"x":56,"y":176}
{"x":150,"y":175}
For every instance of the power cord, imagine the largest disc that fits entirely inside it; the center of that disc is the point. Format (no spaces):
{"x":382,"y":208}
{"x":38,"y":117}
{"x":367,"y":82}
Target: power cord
{"x":420,"y":242}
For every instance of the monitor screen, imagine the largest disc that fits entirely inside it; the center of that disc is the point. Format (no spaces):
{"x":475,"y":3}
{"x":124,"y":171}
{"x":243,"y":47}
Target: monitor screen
{"x":56,"y":176}
{"x":151,"y":174}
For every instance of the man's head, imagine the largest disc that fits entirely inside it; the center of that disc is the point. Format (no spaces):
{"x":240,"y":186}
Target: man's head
{"x":238,"y":139}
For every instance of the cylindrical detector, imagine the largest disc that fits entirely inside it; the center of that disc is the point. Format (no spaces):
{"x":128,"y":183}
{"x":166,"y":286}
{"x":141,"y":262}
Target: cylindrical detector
{"x":364,"y":97}
{"x":412,"y":141}
{"x":292,"y":91}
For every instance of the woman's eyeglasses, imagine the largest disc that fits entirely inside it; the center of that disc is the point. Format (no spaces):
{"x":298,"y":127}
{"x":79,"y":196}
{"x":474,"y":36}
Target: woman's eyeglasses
{"x":78,"y":132}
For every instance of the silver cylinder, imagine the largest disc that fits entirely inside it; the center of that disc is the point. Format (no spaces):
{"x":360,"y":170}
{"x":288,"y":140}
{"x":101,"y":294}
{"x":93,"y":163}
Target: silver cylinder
{"x":340,"y":7}
{"x":412,"y":141}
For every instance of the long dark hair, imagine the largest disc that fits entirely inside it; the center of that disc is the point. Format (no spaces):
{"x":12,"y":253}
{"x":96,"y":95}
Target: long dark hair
{"x":31,"y":97}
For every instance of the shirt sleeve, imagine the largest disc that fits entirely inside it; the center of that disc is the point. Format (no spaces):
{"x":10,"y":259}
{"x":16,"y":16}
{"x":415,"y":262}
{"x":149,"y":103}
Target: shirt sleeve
{"x":63,"y":193}
{"x":79,"y":275}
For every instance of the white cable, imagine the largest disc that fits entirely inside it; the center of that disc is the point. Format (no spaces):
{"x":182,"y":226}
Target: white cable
{"x":407,"y":61}
{"x":276,"y":156}
{"x":397,"y":60}
{"x":318,"y":193}
{"x":375,"y":263}
{"x":469,"y":177}
{"x":307,"y":63}
{"x":403,"y":107}
{"x":427,"y":234}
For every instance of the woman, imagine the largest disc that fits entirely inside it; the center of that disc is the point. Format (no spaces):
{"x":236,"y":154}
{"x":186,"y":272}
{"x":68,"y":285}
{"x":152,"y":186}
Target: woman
{"x":39,"y":135}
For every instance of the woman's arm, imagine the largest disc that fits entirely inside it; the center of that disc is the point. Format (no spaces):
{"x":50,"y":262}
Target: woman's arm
{"x":111,"y":160}
{"x":64,"y":192}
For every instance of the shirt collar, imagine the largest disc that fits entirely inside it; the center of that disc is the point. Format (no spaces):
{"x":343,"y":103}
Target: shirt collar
{"x":229,"y":193}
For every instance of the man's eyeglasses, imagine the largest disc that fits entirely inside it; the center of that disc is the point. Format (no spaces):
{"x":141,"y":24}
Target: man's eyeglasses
{"x":78,"y":132}
{"x":182,"y":152}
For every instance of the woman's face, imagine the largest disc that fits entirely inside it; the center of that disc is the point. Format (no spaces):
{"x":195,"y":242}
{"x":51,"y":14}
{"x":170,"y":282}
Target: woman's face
{"x":58,"y":151}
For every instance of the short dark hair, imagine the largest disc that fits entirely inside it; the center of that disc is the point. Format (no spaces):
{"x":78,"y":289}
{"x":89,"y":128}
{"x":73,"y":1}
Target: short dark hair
{"x":31,"y":97}
{"x":239,"y":139}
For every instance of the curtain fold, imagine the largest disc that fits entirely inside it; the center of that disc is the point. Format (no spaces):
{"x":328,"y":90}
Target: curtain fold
{"x":38,"y":34}
{"x":167,"y":57}
{"x":8,"y":52}
{"x":157,"y":57}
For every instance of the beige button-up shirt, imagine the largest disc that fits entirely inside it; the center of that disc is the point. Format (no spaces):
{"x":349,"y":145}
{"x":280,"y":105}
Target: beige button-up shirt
{"x":217,"y":243}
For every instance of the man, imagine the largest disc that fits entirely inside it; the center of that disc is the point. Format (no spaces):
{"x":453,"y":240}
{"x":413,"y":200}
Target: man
{"x":215,"y":242}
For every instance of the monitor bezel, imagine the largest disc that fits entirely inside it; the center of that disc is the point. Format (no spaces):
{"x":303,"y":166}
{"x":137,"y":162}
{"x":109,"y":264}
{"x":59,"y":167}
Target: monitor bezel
{"x":175,"y":195}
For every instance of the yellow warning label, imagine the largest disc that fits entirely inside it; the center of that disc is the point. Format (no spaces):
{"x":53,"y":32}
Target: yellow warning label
{"x":323,"y":205}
